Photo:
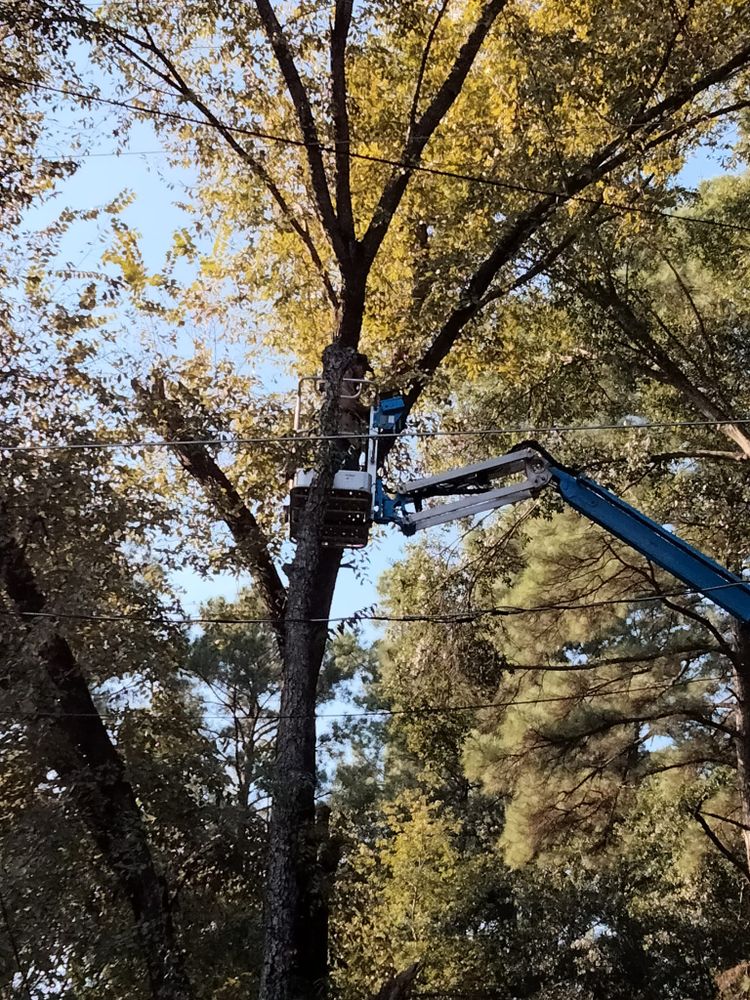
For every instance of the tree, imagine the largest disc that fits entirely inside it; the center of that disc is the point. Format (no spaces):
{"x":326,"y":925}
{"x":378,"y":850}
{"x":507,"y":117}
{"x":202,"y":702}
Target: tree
{"x":571,"y":103}
{"x":679,"y":356}
{"x":423,"y":879}
{"x":60,"y":511}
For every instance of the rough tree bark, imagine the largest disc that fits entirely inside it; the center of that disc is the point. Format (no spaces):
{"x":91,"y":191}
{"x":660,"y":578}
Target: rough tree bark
{"x":295,"y":957}
{"x":77,"y":746}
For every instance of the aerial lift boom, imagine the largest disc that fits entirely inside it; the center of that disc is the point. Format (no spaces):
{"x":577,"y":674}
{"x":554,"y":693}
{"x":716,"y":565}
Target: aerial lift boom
{"x":485,"y":486}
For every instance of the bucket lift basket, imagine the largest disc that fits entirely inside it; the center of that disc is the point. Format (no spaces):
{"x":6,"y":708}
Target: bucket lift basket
{"x":348,"y":512}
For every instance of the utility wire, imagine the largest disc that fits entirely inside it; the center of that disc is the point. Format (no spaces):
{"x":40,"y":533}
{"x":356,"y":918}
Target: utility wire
{"x":432,"y":170}
{"x":447,"y":618}
{"x":75,"y":156}
{"x":425,"y":709}
{"x":303,"y":438}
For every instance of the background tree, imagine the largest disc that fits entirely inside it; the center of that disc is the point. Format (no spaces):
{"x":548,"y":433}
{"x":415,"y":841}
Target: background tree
{"x":424,"y":877}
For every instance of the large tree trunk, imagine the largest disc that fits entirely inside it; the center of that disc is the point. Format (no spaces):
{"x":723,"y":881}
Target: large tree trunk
{"x":77,"y":746}
{"x":295,"y":965}
{"x":295,"y":958}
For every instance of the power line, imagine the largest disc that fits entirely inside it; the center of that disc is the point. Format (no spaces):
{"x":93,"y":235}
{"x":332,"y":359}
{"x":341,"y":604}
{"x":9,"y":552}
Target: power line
{"x":74,"y":156}
{"x":301,"y":439}
{"x":426,"y":709}
{"x":432,"y":170}
{"x":447,"y":618}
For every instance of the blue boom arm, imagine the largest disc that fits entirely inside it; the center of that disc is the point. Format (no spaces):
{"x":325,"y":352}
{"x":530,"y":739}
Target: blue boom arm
{"x":655,"y":542}
{"x":479,"y":489}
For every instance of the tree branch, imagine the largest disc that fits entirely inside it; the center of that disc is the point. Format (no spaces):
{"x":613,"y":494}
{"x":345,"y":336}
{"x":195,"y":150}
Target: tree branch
{"x":649,"y":574}
{"x":399,"y":986}
{"x":726,"y":819}
{"x":668,"y":52}
{"x":542,"y":265}
{"x":423,"y":66}
{"x":128,"y":43}
{"x":195,"y":459}
{"x":423,"y":130}
{"x":339,"y":33}
{"x":618,"y":721}
{"x":610,"y":661}
{"x":22,"y":970}
{"x":675,"y":101}
{"x":701,"y":453}
{"x":177,"y":82}
{"x":637,"y":329}
{"x":719,"y":845}
{"x":654,"y":769}
{"x":695,"y":310}
{"x":309,"y":130}
{"x":601,"y":163}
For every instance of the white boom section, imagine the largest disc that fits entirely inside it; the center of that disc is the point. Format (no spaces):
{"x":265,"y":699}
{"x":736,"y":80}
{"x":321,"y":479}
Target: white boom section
{"x":476,"y":481}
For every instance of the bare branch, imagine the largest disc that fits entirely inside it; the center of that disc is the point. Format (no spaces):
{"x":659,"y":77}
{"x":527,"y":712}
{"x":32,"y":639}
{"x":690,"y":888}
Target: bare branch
{"x":424,"y":129}
{"x":231,"y":508}
{"x":688,"y":295}
{"x":301,"y":102}
{"x":719,"y":845}
{"x":341,"y":23}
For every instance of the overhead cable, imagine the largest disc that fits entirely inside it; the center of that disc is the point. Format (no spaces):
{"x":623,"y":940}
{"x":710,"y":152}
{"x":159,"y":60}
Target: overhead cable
{"x":442,"y":618}
{"x":229,"y":442}
{"x":431,"y":709}
{"x":393,"y":162}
